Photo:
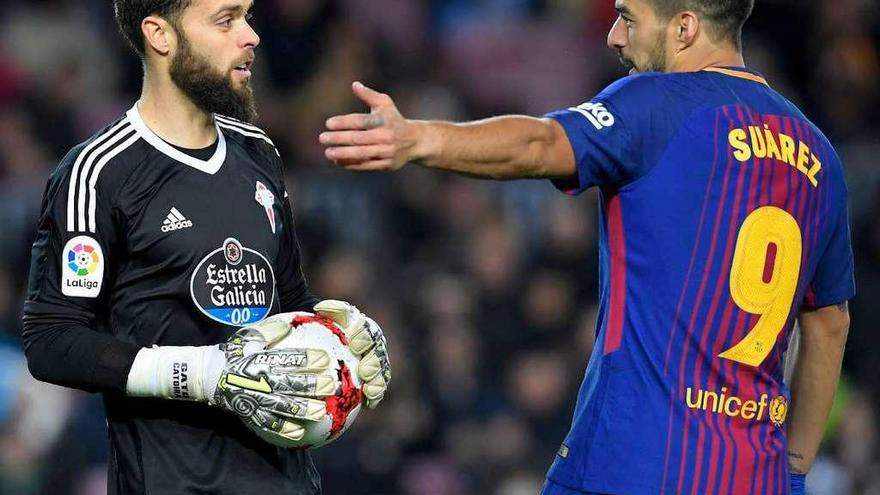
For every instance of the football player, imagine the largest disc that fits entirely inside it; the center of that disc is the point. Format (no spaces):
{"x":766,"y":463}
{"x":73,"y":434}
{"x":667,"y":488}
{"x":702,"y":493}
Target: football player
{"x":723,"y":221}
{"x":159,"y":238}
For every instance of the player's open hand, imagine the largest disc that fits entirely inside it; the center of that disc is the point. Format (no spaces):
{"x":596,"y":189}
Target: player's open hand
{"x":379,"y":140}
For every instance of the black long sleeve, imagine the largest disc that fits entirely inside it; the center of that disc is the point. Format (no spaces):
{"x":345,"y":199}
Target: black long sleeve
{"x":64,"y":352}
{"x":61,"y":342}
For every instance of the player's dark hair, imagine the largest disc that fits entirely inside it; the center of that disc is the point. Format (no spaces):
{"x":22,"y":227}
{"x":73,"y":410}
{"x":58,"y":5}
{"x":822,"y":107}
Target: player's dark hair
{"x":725,"y":17}
{"x":130,"y":13}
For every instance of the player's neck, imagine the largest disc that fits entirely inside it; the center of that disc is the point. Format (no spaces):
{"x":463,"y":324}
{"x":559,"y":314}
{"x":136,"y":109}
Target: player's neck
{"x":696,"y":60}
{"x":174,"y":117}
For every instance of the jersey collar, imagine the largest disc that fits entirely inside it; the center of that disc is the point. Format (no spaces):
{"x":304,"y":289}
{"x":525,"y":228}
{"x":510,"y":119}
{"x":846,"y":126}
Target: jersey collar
{"x":740,"y":72}
{"x":210,"y":166}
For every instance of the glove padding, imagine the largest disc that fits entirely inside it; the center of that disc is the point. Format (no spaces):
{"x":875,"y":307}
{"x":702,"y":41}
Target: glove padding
{"x":366,"y":340}
{"x":272,"y":389}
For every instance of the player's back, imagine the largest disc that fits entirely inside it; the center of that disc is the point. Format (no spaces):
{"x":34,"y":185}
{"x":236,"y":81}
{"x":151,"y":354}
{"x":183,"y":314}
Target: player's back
{"x":723,"y":213}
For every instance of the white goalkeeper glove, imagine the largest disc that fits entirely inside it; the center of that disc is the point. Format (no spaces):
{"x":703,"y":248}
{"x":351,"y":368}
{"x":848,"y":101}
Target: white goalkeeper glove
{"x":273,"y":390}
{"x":366,"y":340}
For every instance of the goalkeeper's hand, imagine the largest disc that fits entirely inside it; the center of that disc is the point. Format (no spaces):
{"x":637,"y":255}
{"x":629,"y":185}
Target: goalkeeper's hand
{"x":366,"y":340}
{"x":273,"y":390}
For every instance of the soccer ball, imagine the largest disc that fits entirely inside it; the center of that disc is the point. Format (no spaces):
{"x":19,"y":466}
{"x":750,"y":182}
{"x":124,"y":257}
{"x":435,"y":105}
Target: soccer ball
{"x":83,"y":259}
{"x":309,"y":331}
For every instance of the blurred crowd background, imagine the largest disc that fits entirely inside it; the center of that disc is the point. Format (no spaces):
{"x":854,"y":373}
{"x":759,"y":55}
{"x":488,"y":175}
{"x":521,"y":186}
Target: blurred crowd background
{"x":487,"y":291}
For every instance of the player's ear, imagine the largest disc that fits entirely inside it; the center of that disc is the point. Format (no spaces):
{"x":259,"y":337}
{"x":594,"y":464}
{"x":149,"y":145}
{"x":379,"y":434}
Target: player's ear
{"x":687,"y":26}
{"x":158,"y":34}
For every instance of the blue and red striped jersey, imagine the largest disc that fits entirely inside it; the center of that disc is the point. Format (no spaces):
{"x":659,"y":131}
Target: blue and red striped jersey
{"x":723,"y":214}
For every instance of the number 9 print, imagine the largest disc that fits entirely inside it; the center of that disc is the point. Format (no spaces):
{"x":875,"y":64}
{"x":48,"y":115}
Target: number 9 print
{"x":764,"y":279}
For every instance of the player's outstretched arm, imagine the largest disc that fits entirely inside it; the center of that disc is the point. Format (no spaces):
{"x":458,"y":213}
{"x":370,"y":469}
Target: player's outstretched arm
{"x":508,"y":147}
{"x":816,"y":372}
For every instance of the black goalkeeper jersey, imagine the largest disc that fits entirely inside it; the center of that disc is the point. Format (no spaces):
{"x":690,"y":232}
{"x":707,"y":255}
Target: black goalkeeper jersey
{"x":141,"y":244}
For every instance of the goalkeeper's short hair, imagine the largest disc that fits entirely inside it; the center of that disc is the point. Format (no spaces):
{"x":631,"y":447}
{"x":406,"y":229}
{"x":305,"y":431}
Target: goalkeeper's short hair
{"x":725,"y":18}
{"x":130,"y":13}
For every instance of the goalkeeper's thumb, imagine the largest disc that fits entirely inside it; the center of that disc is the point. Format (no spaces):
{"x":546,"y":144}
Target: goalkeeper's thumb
{"x":176,"y":372}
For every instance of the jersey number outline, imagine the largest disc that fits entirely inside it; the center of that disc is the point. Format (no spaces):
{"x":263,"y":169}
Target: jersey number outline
{"x":764,"y":279}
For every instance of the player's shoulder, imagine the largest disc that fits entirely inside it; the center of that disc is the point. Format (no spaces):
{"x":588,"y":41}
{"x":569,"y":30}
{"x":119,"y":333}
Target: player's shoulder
{"x":818,"y":137}
{"x":632,"y":84}
{"x":103,"y":139}
{"x":650,"y":101}
{"x":108,"y":153}
{"x":246,"y":134}
{"x":651,"y":87}
{"x":821,"y":142}
{"x":631,"y":91}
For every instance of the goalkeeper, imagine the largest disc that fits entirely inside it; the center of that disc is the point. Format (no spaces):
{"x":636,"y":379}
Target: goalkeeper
{"x":159,"y":238}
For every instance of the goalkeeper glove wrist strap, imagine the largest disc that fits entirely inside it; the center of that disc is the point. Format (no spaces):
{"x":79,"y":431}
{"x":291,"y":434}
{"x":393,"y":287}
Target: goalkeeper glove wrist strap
{"x":176,"y":372}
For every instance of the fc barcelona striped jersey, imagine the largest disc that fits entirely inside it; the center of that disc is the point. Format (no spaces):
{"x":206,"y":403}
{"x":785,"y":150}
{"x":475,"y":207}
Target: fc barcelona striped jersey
{"x":723,"y":214}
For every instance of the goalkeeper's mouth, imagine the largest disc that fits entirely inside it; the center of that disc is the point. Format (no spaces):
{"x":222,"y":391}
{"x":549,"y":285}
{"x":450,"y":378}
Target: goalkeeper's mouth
{"x":244,"y":70}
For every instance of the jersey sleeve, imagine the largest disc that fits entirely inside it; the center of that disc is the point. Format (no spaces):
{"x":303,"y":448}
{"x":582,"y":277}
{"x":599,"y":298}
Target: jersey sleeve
{"x":606,"y":135}
{"x":293,"y":290}
{"x":834,"y":281}
{"x":69,"y":281}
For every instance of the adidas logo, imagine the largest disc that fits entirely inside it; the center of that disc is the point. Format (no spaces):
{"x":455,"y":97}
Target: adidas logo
{"x":175,"y":221}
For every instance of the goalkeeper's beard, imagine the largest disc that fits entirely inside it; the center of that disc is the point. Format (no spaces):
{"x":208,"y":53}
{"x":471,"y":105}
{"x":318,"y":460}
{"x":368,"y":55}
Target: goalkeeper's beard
{"x":208,"y":88}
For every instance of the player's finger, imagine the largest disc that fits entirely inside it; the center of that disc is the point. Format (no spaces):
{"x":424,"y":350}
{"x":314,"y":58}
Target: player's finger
{"x":355,"y":138}
{"x":360,"y":338}
{"x":288,"y":429}
{"x":371,"y":404}
{"x":369,"y":166}
{"x":340,"y":312}
{"x":370,"y":366}
{"x":370,"y":96}
{"x":292,"y":407}
{"x":266,"y":332}
{"x":360,"y":153}
{"x":352,"y":121}
{"x":374,"y":392}
{"x":304,"y":385}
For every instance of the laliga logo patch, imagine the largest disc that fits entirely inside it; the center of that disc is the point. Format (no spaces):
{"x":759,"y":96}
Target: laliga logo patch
{"x":82,"y":267}
{"x":267,"y":200}
{"x":233,"y":284}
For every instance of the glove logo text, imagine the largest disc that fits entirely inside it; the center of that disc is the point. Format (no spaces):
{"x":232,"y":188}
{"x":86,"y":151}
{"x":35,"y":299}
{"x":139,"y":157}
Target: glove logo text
{"x":294,"y":359}
{"x":180,"y":381}
{"x":82,"y":267}
{"x":233,"y":284}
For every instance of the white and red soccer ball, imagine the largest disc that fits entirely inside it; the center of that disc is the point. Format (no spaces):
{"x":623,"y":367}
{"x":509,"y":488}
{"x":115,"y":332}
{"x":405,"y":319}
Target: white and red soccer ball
{"x":309,"y":331}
